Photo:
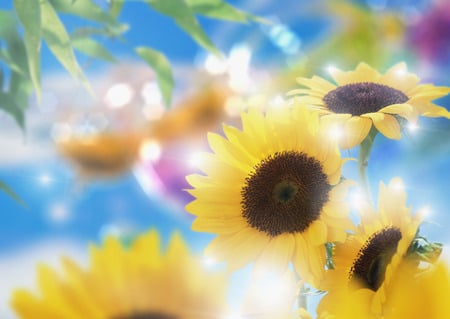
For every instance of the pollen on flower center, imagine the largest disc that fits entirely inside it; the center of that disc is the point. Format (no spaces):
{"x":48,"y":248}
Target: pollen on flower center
{"x":370,"y":265}
{"x":361,"y":98}
{"x":149,"y":315}
{"x":285,"y":193}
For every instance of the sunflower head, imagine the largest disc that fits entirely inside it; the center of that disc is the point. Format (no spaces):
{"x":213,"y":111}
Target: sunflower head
{"x":135,"y":283}
{"x":364,"y":98}
{"x":272,"y":192}
{"x":366,"y":263}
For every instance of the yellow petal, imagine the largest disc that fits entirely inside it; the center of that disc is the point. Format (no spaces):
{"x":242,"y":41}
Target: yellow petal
{"x":356,"y":129}
{"x":317,"y":232}
{"x":277,"y":254}
{"x":386,"y":124}
{"x":404,"y":110}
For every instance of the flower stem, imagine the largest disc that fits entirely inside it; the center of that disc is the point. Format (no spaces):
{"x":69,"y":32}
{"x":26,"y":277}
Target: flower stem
{"x":363,"y":161}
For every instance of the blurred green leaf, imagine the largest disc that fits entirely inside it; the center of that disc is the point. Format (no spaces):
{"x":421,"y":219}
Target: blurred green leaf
{"x":2,"y":79}
{"x":92,"y":48}
{"x":8,"y":190}
{"x":219,"y":9}
{"x":8,"y":24}
{"x":106,"y":31}
{"x":58,"y":41}
{"x":161,"y":66}
{"x":184,"y":16}
{"x":5,"y":56}
{"x":86,"y":9}
{"x":13,"y":51}
{"x":9,"y":105}
{"x":115,"y":7}
{"x":29,"y":14}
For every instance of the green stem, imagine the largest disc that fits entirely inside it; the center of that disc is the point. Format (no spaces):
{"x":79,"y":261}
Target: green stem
{"x":302,"y":297}
{"x":363,"y":161}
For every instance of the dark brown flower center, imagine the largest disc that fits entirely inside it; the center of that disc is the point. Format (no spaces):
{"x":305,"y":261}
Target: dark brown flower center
{"x":285,"y":193}
{"x":369,"y":267}
{"x":149,"y":315}
{"x":362,"y":98}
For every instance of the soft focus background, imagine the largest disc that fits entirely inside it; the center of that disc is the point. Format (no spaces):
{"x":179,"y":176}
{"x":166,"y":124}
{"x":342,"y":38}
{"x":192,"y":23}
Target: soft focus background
{"x":66,"y":209}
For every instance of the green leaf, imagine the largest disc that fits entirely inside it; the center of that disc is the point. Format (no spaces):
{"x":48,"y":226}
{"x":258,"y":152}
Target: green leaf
{"x":106,"y":31}
{"x":14,"y":53}
{"x":29,"y":14}
{"x":8,"y":190}
{"x":161,"y":66}
{"x":2,"y":79}
{"x":8,"y":24}
{"x":184,"y":16}
{"x":115,"y":7}
{"x":5,"y":56}
{"x":58,"y":41}
{"x":92,"y":48}
{"x":9,"y":105}
{"x":86,"y":9}
{"x":219,"y":9}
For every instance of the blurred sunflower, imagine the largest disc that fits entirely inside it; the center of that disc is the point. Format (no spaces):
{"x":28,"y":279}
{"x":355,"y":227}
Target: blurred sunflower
{"x":272,"y":192}
{"x":134,"y":283}
{"x":104,"y":154}
{"x":364,"y":98}
{"x":195,"y":115}
{"x":366,"y":262}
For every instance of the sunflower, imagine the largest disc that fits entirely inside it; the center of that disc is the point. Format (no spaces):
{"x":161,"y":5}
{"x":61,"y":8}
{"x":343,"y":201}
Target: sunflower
{"x":364,"y":97}
{"x":135,"y":283}
{"x":272,"y":193}
{"x":366,"y":262}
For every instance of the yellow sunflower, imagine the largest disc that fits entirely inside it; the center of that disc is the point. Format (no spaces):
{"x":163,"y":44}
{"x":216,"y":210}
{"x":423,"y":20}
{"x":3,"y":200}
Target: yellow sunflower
{"x":272,"y":193}
{"x":366,"y":262}
{"x":364,"y":97}
{"x":135,"y":283}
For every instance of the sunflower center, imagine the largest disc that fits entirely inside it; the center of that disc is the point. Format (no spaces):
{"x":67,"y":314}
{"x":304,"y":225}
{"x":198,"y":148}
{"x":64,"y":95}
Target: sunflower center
{"x":285,"y":193}
{"x":369,"y":267}
{"x":361,"y":98}
{"x":149,"y":315}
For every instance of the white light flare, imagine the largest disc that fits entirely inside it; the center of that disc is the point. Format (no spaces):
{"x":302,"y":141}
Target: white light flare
{"x":331,"y":69}
{"x":150,"y":151}
{"x":209,"y":262}
{"x":357,"y":199}
{"x":239,"y":62}
{"x":412,"y":127}
{"x":277,"y":101}
{"x":58,"y":213}
{"x":282,"y":290}
{"x":397,"y":185}
{"x":45,"y":179}
{"x":119,"y":95}
{"x":215,"y":65}
{"x":336,"y":132}
{"x":195,"y":160}
{"x":425,"y":212}
{"x":151,"y":94}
